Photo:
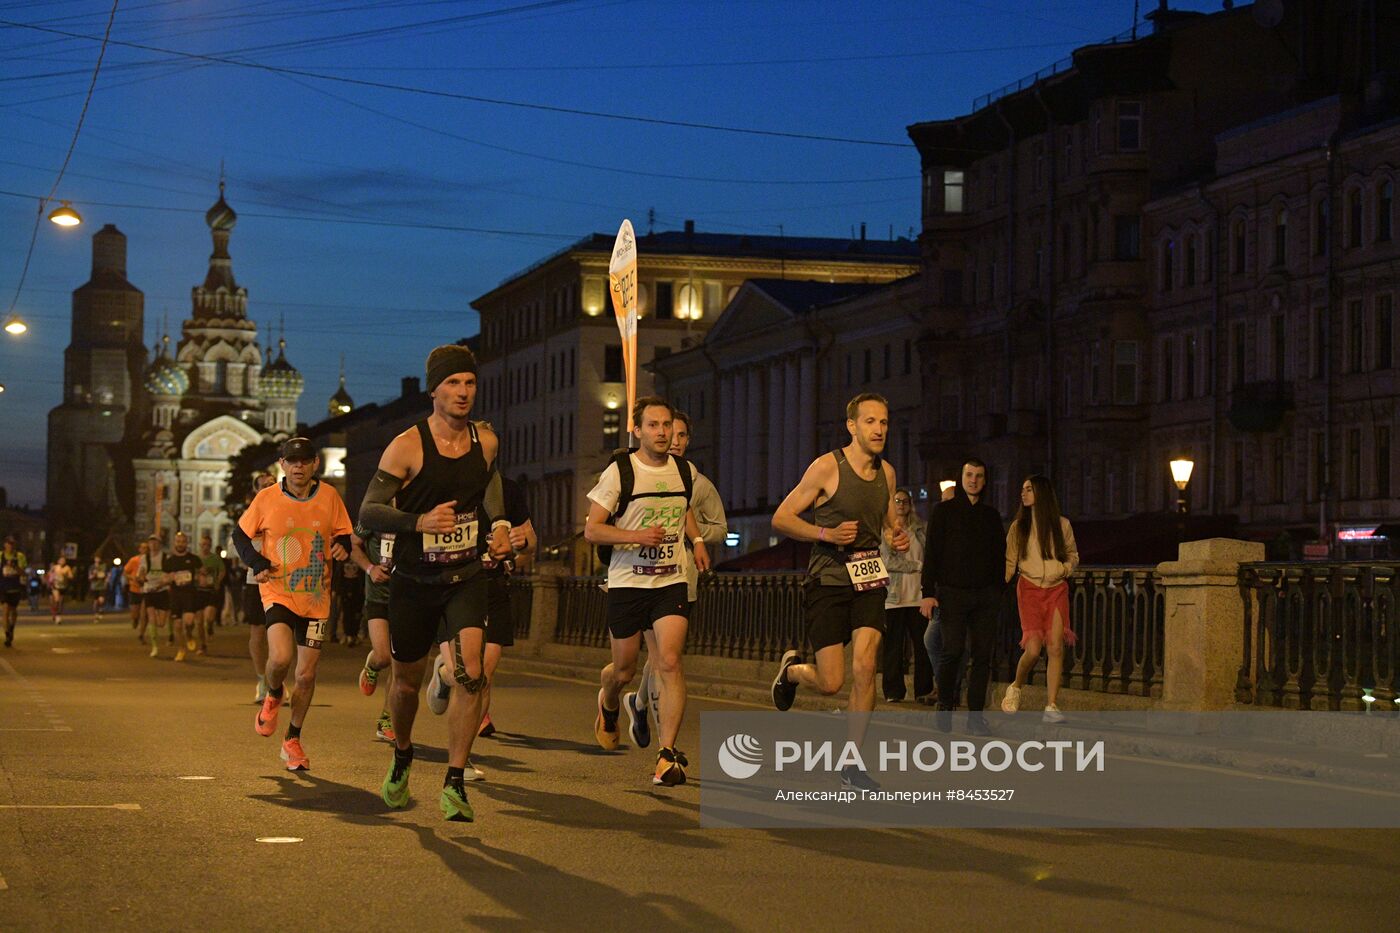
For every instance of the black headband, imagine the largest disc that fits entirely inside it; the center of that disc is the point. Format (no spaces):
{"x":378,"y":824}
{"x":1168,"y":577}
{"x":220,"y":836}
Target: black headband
{"x":444,"y":361}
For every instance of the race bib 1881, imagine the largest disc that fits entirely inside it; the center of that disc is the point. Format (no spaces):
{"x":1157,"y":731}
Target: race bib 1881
{"x":454,"y":546}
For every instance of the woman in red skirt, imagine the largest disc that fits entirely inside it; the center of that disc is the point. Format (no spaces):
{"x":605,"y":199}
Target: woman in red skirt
{"x":1040,"y":547}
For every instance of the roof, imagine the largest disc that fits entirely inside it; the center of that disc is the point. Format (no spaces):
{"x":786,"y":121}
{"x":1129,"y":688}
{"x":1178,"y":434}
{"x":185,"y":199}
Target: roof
{"x":681,"y":243}
{"x":801,"y":296}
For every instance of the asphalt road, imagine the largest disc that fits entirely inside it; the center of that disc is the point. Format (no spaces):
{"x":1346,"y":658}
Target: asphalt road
{"x":100,"y":827}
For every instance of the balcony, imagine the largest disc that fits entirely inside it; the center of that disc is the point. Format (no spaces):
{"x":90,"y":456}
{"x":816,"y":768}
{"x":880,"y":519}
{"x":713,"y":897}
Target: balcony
{"x":1259,"y":407}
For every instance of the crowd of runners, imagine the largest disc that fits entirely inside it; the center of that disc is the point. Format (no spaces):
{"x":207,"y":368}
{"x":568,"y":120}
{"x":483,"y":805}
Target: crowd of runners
{"x":439,"y":533}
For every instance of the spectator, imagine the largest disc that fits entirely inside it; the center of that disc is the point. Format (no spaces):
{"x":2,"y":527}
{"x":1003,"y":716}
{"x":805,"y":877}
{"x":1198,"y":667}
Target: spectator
{"x":904,"y":627}
{"x":1040,"y":547}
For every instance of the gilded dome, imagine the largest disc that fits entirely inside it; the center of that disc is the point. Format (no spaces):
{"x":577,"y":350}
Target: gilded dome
{"x":341,"y":403}
{"x":280,"y":381}
{"x":165,"y":376}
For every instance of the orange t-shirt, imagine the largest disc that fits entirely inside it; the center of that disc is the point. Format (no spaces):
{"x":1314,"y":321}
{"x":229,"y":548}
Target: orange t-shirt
{"x":129,"y":572}
{"x":296,"y":536}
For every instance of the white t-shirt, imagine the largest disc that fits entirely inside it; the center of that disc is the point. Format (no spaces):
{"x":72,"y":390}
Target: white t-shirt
{"x":658,"y":498}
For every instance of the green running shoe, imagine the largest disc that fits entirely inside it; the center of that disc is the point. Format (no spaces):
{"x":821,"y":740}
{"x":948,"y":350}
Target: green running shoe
{"x":394,"y":790}
{"x":454,"y":804}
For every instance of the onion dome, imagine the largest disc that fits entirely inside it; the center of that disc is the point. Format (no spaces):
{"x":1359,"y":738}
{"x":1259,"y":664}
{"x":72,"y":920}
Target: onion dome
{"x":220,"y":216}
{"x":280,"y":381}
{"x":164,"y":376}
{"x":341,"y":403}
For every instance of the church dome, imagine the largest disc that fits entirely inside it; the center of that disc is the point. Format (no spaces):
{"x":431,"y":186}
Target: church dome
{"x":341,"y":403}
{"x":280,"y":381}
{"x":220,"y":216}
{"x":165,"y":376}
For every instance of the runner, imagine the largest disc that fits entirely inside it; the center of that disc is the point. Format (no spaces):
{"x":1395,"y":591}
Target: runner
{"x":709,"y":515}
{"x":133,"y":591}
{"x":155,"y":590}
{"x":182,"y":570}
{"x":13,"y":566}
{"x":97,"y":586}
{"x":500,"y":621}
{"x":303,"y":526}
{"x":852,"y":491}
{"x":440,"y":473}
{"x":60,"y":579}
{"x":374,"y":554}
{"x":253,"y":614}
{"x":640,"y":509}
{"x":210,"y":589}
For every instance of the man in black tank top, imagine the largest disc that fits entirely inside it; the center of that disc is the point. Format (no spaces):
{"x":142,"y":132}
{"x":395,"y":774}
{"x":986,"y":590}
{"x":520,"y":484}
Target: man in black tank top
{"x":440,"y":476}
{"x":844,"y":600}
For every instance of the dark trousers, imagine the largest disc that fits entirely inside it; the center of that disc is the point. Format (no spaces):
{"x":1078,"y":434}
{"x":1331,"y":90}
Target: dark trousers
{"x":967,"y":613}
{"x":904,"y":635}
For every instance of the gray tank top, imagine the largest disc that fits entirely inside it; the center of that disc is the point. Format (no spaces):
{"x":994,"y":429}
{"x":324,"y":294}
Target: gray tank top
{"x":856,"y":499}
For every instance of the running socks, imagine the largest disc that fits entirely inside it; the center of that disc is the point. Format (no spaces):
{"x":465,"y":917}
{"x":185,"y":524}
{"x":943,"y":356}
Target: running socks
{"x":455,"y":777}
{"x":276,"y":694}
{"x":293,"y":731}
{"x":403,"y":757}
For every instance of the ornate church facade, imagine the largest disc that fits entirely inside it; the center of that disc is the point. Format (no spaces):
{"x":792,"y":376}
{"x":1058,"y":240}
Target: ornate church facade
{"x":141,"y":447}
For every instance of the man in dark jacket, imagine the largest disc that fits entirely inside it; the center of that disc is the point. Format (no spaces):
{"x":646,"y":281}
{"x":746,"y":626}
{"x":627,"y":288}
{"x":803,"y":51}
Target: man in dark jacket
{"x":963,"y":568}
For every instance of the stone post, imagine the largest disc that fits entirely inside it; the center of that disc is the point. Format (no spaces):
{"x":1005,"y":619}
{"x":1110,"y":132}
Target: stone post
{"x":1204,"y":622}
{"x":544,"y":605}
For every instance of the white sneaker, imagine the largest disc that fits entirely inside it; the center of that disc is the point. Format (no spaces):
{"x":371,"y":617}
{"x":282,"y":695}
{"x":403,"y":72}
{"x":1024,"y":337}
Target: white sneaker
{"x":438,"y":691}
{"x":260,"y":692}
{"x":1012,"y":701}
{"x":473,"y":773}
{"x":1052,"y":714}
{"x":155,"y":648}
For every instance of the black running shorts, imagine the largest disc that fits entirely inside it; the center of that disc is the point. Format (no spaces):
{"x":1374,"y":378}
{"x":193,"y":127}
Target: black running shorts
{"x":377,"y":610}
{"x":184,"y":600}
{"x":10,"y":597}
{"x":632,"y":609}
{"x":252,"y":605}
{"x":134,"y":598}
{"x":500,"y":622}
{"x":159,"y":600}
{"x":422,"y":615}
{"x":310,"y":633}
{"x":210,"y":599}
{"x":834,"y":612}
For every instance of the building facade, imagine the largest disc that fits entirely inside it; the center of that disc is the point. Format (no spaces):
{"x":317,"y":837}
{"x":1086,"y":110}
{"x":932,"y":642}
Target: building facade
{"x":1148,"y":254}
{"x":767,"y":388}
{"x":551,"y":380}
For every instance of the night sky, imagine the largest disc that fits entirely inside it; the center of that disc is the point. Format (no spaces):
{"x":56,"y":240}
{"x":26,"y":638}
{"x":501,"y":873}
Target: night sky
{"x":370,"y":217}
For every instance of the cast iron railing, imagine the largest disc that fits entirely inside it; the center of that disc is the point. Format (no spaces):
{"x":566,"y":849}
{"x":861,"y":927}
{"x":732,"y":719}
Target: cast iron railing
{"x":1319,"y":635}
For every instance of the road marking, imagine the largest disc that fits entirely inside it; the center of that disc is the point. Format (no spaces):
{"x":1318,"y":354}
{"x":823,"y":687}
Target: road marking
{"x":279,"y":839}
{"x":196,"y":777}
{"x":70,"y":806}
{"x":56,"y":723}
{"x":3,"y":885}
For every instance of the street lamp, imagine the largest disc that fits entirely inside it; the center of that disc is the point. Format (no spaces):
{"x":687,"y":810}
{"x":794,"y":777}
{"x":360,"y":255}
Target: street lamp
{"x":14,"y":324}
{"x":1181,"y":475}
{"x":65,"y":216}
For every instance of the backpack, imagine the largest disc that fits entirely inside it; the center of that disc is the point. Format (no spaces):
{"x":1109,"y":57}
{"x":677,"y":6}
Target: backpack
{"x":627,"y":479}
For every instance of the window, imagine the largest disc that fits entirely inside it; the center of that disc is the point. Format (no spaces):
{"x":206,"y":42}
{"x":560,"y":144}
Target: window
{"x":1356,"y":337}
{"x":952,"y":192}
{"x":1354,"y":464}
{"x":1125,"y":372}
{"x":665,"y":301}
{"x":573,"y":365}
{"x":1276,"y":472}
{"x":1354,"y":218}
{"x":1168,"y":369}
{"x":612,"y":429}
{"x":1190,"y":264}
{"x":1281,"y":236}
{"x":1384,"y":332}
{"x":1385,"y":203}
{"x":1280,"y":347}
{"x":1129,"y":126}
{"x":1168,"y":257}
{"x":1237,"y":244}
{"x":1188,"y":380}
{"x":928,"y":193}
{"x":688,"y":308}
{"x":612,"y":363}
{"x":1127,"y":237}
{"x":713,"y":298}
{"x":1237,"y":353}
{"x":1319,"y":342}
{"x":1321,"y":219}
{"x":887,"y":362}
{"x":1382,"y":463}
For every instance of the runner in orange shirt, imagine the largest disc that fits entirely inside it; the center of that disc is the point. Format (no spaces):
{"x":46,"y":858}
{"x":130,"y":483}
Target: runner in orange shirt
{"x":302,"y":526}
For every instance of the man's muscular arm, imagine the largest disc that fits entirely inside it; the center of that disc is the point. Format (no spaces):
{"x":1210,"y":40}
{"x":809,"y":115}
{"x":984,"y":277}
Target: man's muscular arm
{"x":377,"y":514}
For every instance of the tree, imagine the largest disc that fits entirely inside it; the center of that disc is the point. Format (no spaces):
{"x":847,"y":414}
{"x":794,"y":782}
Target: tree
{"x":243,"y":466}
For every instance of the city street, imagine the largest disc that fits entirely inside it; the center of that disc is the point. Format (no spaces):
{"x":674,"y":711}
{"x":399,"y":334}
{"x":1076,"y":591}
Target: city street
{"x":133,"y":792}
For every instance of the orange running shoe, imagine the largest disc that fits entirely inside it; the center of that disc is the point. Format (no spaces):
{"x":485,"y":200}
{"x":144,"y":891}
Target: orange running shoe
{"x":605,"y":726}
{"x":487,"y":729}
{"x":266,"y":720}
{"x":294,"y":756}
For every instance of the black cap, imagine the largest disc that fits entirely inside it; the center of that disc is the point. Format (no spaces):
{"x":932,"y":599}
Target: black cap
{"x":297,"y":448}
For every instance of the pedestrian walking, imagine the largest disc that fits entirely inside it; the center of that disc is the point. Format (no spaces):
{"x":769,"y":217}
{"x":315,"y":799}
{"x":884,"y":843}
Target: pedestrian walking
{"x":963,"y":566}
{"x":1041,"y":551}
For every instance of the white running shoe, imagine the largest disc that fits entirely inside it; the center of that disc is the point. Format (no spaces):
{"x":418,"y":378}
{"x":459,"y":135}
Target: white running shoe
{"x":438,"y":691}
{"x":1052,"y":714}
{"x":473,"y":773}
{"x":1012,"y":701}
